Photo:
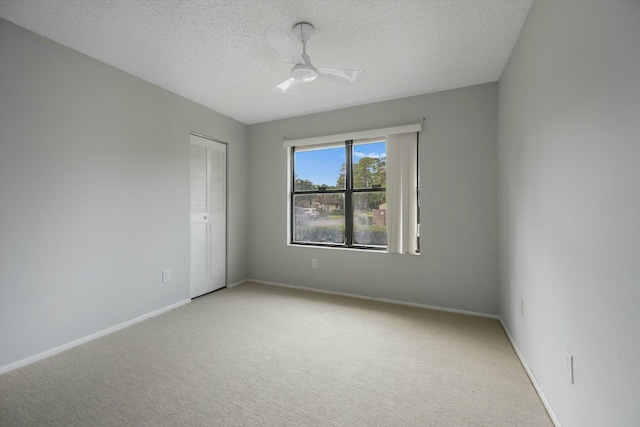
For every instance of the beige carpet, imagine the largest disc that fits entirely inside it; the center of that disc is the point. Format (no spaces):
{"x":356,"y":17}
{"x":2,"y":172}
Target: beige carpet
{"x":257,"y":355}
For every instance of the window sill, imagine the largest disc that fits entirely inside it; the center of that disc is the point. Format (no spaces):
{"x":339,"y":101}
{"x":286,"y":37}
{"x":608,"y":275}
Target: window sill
{"x":339,"y":248}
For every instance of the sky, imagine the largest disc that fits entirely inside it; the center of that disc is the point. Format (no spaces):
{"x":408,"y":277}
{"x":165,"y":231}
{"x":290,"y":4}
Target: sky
{"x":323,"y":166}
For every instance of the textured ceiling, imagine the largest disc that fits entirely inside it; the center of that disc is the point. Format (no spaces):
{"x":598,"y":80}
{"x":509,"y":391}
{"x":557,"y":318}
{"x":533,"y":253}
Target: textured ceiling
{"x":214,"y":51}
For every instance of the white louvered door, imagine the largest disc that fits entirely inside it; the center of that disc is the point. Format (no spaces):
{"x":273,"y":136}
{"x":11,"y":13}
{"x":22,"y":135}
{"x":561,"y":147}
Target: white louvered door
{"x":208,"y":215}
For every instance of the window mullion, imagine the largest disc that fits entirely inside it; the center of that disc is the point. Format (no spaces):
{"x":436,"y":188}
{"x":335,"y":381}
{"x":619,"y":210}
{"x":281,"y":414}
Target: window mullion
{"x":348,"y":195}
{"x":292,"y":180}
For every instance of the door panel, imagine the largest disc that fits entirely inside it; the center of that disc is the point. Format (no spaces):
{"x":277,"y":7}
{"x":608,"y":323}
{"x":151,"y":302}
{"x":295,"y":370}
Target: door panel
{"x":199,"y":259}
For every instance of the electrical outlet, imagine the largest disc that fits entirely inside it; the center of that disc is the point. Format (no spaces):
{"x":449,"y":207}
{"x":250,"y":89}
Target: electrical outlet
{"x":521,"y":306}
{"x":314,"y":263}
{"x":166,"y":275}
{"x":568,"y":365}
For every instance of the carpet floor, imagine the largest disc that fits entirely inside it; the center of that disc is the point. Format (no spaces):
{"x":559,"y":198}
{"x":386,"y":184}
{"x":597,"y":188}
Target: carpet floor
{"x":258,"y":355}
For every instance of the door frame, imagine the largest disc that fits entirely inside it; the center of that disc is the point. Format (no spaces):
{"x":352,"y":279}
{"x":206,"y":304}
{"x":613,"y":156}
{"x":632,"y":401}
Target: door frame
{"x":226,"y":209}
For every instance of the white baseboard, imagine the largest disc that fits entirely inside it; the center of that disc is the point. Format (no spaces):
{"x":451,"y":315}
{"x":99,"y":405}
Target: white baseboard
{"x":529,"y":372}
{"x":390,"y":301}
{"x":67,"y":346}
{"x":236,"y":284}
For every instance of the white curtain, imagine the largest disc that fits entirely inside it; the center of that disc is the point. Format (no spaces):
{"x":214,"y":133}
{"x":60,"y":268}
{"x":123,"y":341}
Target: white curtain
{"x":402,"y":193}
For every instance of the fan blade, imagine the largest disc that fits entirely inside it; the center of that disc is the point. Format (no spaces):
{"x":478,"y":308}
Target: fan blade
{"x":340,"y":76}
{"x":283,"y":45}
{"x":287,"y":85}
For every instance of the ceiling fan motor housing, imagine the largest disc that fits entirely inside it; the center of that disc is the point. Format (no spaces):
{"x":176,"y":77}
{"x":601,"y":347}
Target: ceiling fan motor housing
{"x":304,"y":72}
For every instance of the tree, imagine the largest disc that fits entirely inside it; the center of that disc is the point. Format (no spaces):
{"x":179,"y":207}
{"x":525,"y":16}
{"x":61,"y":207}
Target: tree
{"x":367,"y":172}
{"x":304,"y":184}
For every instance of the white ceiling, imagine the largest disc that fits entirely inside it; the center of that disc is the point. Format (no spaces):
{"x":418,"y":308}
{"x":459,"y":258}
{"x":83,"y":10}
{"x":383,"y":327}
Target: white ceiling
{"x":214,"y":51}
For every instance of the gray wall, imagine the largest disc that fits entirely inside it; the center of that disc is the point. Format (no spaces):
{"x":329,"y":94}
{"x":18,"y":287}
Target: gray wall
{"x":569,"y":174}
{"x":458,"y":160}
{"x":94,"y":183}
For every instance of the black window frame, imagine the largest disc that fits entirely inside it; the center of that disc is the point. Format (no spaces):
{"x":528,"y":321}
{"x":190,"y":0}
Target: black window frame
{"x":348,"y":193}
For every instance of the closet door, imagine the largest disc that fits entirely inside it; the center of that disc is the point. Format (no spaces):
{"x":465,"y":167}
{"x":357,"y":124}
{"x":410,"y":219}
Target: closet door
{"x":208,"y":215}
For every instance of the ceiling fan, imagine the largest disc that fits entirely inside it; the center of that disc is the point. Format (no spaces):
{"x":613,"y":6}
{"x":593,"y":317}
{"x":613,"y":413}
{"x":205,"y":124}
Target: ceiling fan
{"x":303,"y":71}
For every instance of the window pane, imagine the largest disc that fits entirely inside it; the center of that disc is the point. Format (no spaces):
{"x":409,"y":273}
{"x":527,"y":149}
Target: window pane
{"x":369,"y":165}
{"x":317,"y":168}
{"x":370,"y":219}
{"x":319,"y":218}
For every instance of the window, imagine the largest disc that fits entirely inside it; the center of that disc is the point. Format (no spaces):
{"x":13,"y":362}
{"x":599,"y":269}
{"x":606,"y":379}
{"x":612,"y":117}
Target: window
{"x":356,"y":190}
{"x":339,"y":194}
